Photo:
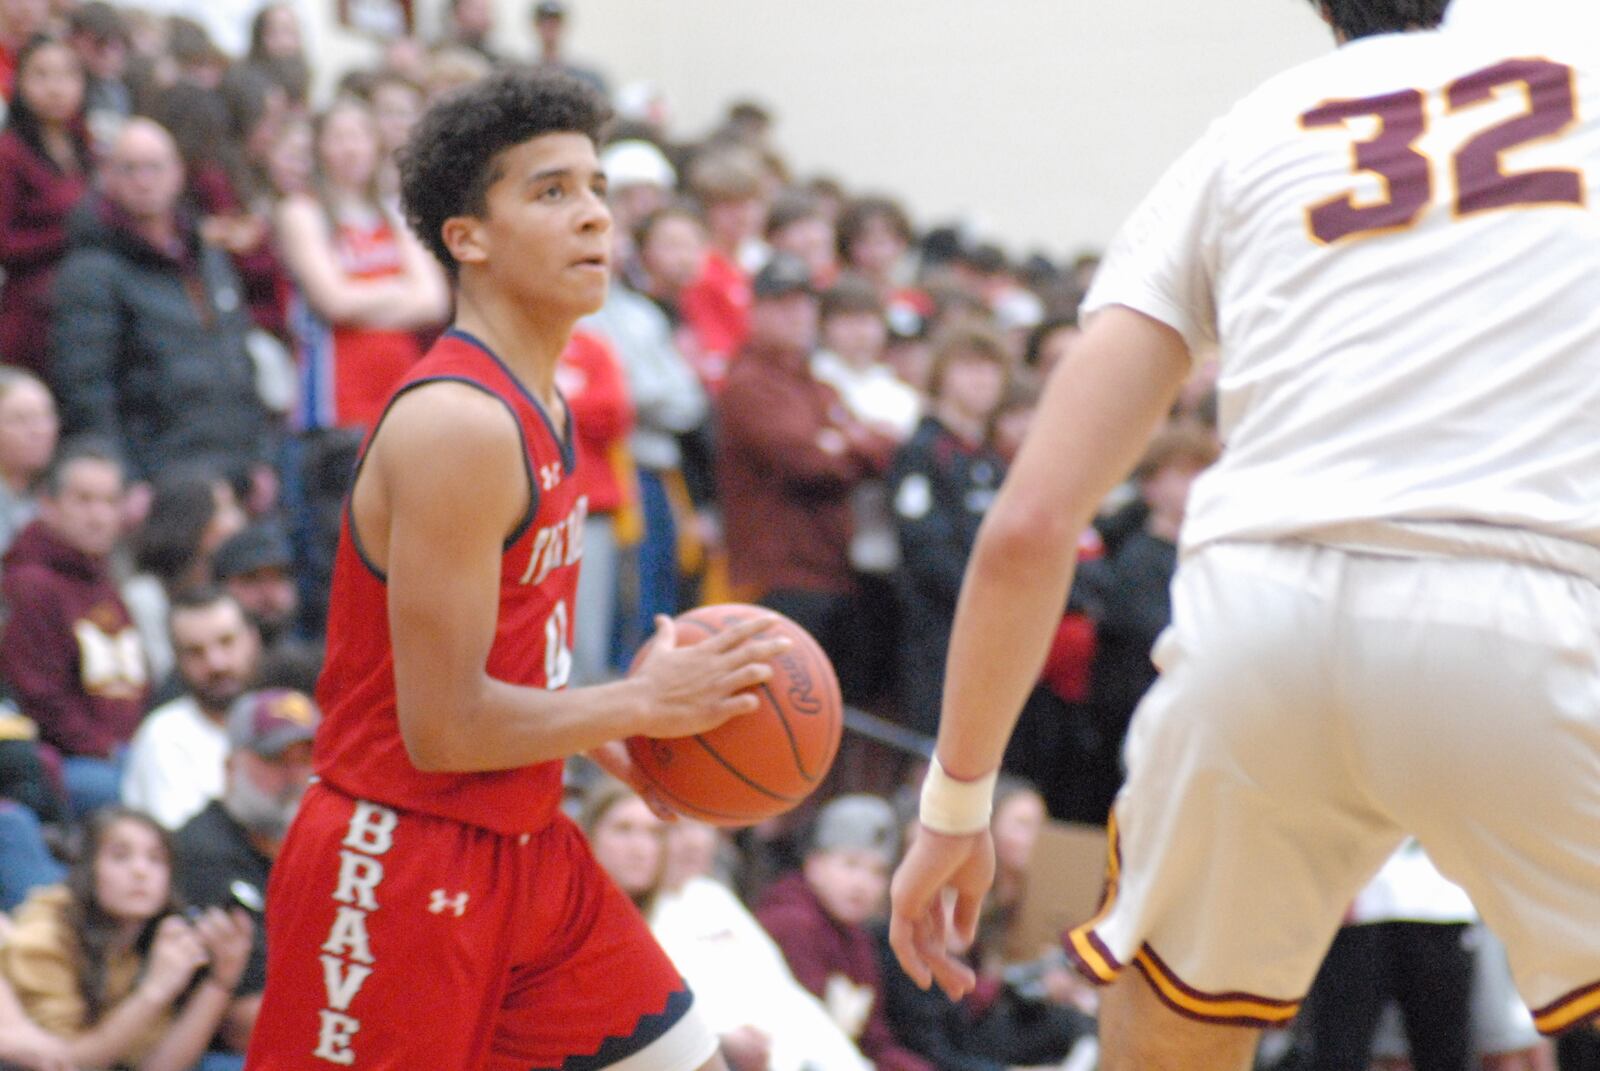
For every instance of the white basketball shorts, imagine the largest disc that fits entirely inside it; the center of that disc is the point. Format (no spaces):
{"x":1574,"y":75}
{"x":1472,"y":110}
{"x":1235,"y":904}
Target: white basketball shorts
{"x":1316,"y":705}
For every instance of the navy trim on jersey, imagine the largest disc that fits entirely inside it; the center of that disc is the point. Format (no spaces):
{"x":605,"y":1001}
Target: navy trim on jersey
{"x":527,"y":467}
{"x":649,"y":1029}
{"x":569,"y":454}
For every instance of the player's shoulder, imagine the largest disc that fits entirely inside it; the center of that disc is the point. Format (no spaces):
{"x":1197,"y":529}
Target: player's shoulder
{"x":448,"y":420}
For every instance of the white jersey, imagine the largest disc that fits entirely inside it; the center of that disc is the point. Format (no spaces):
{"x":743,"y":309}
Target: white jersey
{"x":1395,"y":250}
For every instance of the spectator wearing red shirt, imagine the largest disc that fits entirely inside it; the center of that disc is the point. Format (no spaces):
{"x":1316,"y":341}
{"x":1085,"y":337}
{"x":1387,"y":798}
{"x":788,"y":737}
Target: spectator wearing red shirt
{"x":592,"y":381}
{"x":716,"y":306}
{"x":364,"y":284}
{"x":44,"y":173}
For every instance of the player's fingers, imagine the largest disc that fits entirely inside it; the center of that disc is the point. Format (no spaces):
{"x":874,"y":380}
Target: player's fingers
{"x":666,"y":637}
{"x":735,"y":705}
{"x":902,"y":938}
{"x":746,"y":677}
{"x":954,"y":977}
{"x":733,"y":636}
{"x":968,"y":908}
{"x":760,"y":649}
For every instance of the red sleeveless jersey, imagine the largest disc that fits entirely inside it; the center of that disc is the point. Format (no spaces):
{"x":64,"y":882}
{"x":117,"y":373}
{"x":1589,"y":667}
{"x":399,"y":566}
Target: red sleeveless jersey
{"x":358,"y":748}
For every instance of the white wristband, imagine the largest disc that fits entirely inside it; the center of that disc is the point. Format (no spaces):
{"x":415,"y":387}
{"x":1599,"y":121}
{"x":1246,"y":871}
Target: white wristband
{"x":956,"y":807}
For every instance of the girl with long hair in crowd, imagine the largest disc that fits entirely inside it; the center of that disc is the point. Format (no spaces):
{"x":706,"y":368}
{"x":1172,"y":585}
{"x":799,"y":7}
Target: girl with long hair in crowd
{"x":45,"y":168}
{"x":108,"y":963}
{"x":364,"y":286}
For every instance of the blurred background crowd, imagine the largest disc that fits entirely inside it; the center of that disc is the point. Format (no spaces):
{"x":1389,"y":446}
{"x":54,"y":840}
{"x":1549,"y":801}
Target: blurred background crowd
{"x":796,"y":394}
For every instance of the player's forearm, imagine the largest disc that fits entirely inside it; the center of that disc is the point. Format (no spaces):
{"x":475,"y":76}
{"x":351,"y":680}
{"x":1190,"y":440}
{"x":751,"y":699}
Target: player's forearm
{"x":1097,"y":414}
{"x":1007,"y":614}
{"x":507,"y":726}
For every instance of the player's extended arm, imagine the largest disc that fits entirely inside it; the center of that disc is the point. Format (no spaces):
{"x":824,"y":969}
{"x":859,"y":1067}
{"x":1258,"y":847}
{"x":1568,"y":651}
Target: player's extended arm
{"x":1097,"y":415}
{"x":448,"y":460}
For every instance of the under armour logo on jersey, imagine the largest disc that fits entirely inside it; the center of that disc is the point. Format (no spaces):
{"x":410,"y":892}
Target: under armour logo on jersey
{"x":549,"y":476}
{"x":439,"y":903}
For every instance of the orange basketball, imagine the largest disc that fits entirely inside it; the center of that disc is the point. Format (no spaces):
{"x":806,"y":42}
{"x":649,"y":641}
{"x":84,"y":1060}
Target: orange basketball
{"x":757,"y":765}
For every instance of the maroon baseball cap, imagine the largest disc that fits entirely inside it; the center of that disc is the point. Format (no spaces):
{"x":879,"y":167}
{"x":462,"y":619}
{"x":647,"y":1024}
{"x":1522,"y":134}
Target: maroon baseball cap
{"x":271,"y":720}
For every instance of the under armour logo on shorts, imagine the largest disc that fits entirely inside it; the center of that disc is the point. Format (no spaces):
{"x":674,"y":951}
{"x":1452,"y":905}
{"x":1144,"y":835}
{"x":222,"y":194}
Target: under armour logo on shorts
{"x":439,"y":903}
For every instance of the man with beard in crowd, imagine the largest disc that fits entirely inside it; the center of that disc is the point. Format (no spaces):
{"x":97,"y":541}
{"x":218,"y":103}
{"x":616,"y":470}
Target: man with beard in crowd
{"x":176,"y":759}
{"x":223,"y":856}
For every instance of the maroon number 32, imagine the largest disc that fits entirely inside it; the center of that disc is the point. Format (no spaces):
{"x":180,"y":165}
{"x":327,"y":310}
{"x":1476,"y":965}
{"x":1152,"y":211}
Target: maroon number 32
{"x":1478,"y":168}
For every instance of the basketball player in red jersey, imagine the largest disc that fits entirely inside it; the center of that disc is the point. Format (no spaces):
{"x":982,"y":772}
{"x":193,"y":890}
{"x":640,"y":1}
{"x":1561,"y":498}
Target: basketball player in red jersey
{"x":432,"y":908}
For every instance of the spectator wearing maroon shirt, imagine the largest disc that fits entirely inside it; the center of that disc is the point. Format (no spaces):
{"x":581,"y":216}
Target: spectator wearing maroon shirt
{"x":69,"y":650}
{"x":819,"y":919}
{"x":790,"y":458}
{"x":44,"y":173}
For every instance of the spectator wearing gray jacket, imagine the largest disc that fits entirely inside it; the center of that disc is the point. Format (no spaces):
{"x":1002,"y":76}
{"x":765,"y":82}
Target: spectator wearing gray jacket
{"x":150,"y":325}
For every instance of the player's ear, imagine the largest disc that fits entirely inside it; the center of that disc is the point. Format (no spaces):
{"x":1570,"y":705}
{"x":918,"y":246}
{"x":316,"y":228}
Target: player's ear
{"x":464,"y":237}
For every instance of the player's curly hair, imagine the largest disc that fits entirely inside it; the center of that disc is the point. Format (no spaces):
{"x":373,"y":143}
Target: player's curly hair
{"x":453,"y":155}
{"x":1363,"y":18}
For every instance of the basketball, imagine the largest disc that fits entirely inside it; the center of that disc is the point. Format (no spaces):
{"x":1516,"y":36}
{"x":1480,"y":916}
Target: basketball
{"x":756,"y":765}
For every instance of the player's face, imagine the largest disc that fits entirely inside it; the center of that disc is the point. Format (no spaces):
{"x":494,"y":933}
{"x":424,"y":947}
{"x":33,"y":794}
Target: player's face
{"x":545,"y":236}
{"x":132,"y":874}
{"x":850,"y":883}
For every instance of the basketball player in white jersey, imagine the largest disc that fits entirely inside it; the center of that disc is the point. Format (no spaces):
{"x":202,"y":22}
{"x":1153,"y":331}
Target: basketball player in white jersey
{"x":1387,"y":616}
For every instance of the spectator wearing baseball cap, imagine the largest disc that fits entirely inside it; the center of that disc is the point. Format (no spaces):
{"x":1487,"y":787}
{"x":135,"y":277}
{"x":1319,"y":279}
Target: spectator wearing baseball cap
{"x":223,"y":856}
{"x":819,"y":919}
{"x":639,"y":182}
{"x":255,"y":567}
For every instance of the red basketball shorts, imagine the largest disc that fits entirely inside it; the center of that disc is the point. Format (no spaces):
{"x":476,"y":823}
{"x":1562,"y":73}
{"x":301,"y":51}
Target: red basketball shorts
{"x":402,"y":940}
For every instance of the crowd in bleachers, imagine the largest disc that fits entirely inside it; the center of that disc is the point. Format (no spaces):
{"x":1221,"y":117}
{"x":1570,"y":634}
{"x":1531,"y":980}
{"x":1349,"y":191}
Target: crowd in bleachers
{"x":794,"y":395}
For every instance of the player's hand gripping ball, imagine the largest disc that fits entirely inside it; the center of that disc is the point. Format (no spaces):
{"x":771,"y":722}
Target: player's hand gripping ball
{"x":757,"y":765}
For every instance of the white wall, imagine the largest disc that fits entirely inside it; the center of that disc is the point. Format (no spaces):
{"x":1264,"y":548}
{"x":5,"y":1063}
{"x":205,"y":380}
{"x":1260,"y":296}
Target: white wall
{"x":1042,"y":121}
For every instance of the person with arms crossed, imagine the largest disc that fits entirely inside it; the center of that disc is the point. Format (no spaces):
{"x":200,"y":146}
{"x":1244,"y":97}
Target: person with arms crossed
{"x":429,"y":876}
{"x":1385,"y":617}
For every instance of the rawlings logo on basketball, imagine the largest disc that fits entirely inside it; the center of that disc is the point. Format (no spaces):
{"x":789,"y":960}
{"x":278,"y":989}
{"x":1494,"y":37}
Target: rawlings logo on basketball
{"x":801,"y":692}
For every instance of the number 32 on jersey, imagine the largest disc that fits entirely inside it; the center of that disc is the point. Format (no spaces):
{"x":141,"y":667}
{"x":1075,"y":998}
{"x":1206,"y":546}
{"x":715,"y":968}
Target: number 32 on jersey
{"x":1481,"y":176}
